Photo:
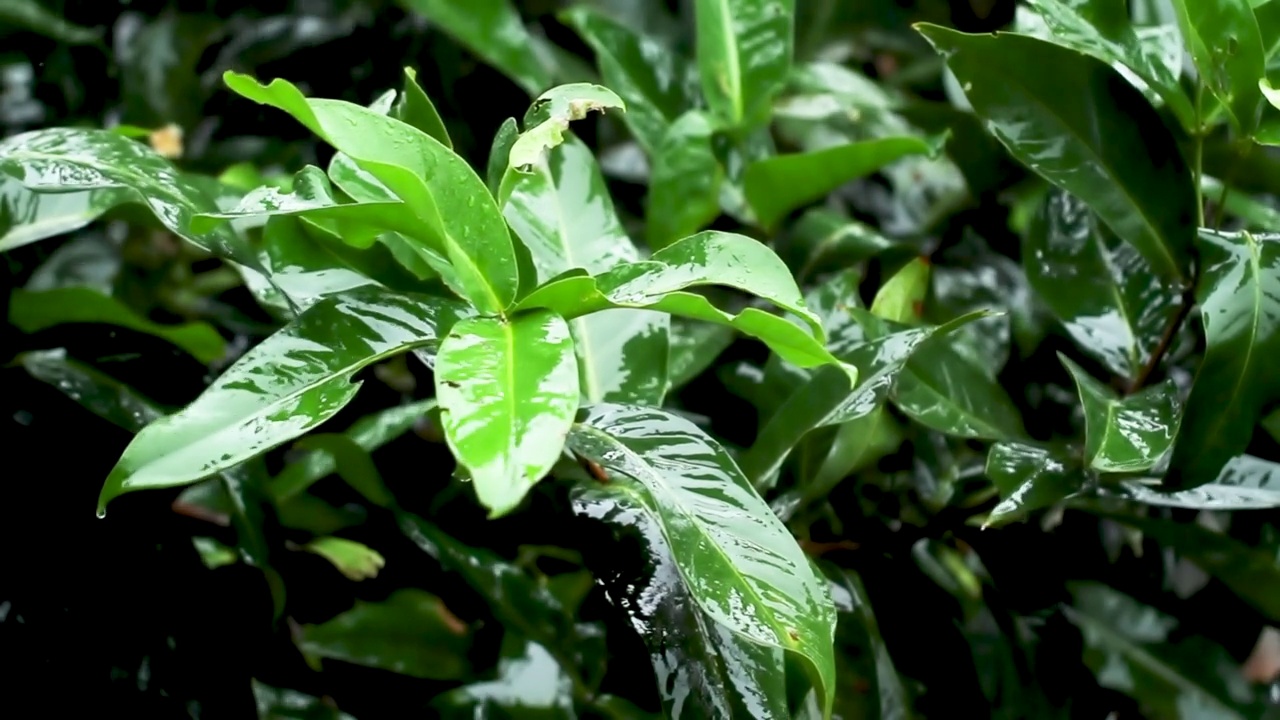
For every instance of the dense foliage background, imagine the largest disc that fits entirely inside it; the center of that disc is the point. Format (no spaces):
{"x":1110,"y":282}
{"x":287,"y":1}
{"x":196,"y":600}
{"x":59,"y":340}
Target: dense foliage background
{"x":992,"y":527}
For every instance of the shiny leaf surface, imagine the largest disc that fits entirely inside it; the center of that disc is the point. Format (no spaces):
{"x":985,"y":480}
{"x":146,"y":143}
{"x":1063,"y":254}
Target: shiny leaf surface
{"x":1029,"y":478}
{"x":777,"y":185}
{"x":530,"y":684}
{"x":1245,"y":483}
{"x":492,"y":29}
{"x":1223,"y":39}
{"x":508,"y":392}
{"x":1128,"y":434}
{"x":694,"y":347}
{"x":411,"y":632}
{"x":1081,"y":126}
{"x":1239,"y":299}
{"x":684,"y":186}
{"x":27,"y":216}
{"x":744,"y":50}
{"x":283,"y":387}
{"x":277,"y":704}
{"x":32,"y":312}
{"x":741,"y":564}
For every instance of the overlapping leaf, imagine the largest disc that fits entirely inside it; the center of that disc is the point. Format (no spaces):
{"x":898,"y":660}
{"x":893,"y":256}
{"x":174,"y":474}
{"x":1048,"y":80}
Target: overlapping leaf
{"x":684,"y":185}
{"x":1128,"y":434}
{"x":1223,"y":39}
{"x":28,"y":216}
{"x":744,"y":54}
{"x":1029,"y":478}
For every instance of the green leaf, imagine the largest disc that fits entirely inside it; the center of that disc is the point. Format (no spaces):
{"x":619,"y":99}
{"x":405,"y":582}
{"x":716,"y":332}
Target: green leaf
{"x":739,"y":561}
{"x":707,"y":258}
{"x":98,"y":393}
{"x":650,"y":77}
{"x":901,"y":298}
{"x":530,"y":684}
{"x":491,"y":29}
{"x":1246,"y":483}
{"x":277,"y":704}
{"x":356,"y":561}
{"x":1081,"y":126}
{"x":35,"y":16}
{"x":1131,"y":648}
{"x":1226,"y":45}
{"x":27,"y":216}
{"x":856,"y":614}
{"x":32,"y":312}
{"x":1239,"y":299}
{"x":1029,"y":478}
{"x":1104,"y":293}
{"x":694,"y":347}
{"x":413,"y":107}
{"x":411,"y":633}
{"x":499,"y":163}
{"x":437,"y":185}
{"x":744,"y":54}
{"x":550,"y":114}
{"x":684,"y":186}
{"x":777,"y":185}
{"x":1128,"y":434}
{"x":826,"y":241}
{"x":703,"y":668}
{"x":508,"y":392}
{"x":62,"y":160}
{"x":286,"y":385}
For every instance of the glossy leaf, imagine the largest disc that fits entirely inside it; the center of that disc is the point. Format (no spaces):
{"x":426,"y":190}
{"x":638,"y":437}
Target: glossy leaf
{"x":32,"y":312}
{"x":432,"y":180}
{"x":777,"y":185}
{"x":549,"y":117}
{"x":1078,"y":124}
{"x":411,"y":633}
{"x":1128,"y":434}
{"x":38,"y":17}
{"x":277,"y":704}
{"x":703,"y":668}
{"x":744,"y":54}
{"x":283,"y":387}
{"x":61,"y":160}
{"x":1245,"y":483}
{"x":694,"y":347}
{"x":1226,"y":45}
{"x":824,"y":240}
{"x":1029,"y":478}
{"x":508,"y":392}
{"x":647,"y":75}
{"x":684,"y":186}
{"x":530,"y":683}
{"x":413,"y":107}
{"x":100,"y":394}
{"x":741,"y":564}
{"x":1104,"y":293}
{"x":492,"y":29}
{"x":1239,"y":299}
{"x":27,"y":216}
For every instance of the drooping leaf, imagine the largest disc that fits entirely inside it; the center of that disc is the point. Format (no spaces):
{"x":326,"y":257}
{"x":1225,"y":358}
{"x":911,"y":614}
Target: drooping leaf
{"x":744,"y":54}
{"x":777,"y":185}
{"x":550,"y":114}
{"x":530,"y":683}
{"x":508,"y":392}
{"x":741,"y":565}
{"x":437,"y":185}
{"x":1105,"y":294}
{"x":28,"y":216}
{"x":32,"y":312}
{"x":684,"y":186}
{"x":702,"y":667}
{"x":1245,"y":483}
{"x":1226,"y":45}
{"x":1029,"y":478}
{"x":277,"y":704}
{"x":411,"y":633}
{"x":37,"y":17}
{"x":492,"y":29}
{"x":1081,"y":126}
{"x":413,"y":107}
{"x":1128,"y":434}
{"x":283,"y":387}
{"x":1239,"y":299}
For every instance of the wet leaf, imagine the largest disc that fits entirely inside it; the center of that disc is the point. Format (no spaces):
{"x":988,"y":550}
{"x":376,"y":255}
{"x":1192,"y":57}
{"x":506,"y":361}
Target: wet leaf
{"x":27,"y":216}
{"x":283,"y":387}
{"x":740,"y":563}
{"x":1226,"y":45}
{"x":528,"y":365}
{"x":1029,"y":478}
{"x":1239,"y":299}
{"x":32,"y":312}
{"x":99,"y":393}
{"x":777,"y":185}
{"x":1104,"y":293}
{"x":413,"y":107}
{"x":684,"y":186}
{"x":491,"y":29}
{"x":694,"y":347}
{"x":1246,"y":483}
{"x":356,"y":561}
{"x":703,"y":669}
{"x":826,"y":241}
{"x":1081,"y":126}
{"x":1128,"y":434}
{"x":35,"y":16}
{"x":277,"y":704}
{"x":744,"y":54}
{"x":437,"y":185}
{"x":530,"y":684}
{"x":550,"y":114}
{"x":856,"y":614}
{"x":411,"y":633}
{"x":499,"y":162}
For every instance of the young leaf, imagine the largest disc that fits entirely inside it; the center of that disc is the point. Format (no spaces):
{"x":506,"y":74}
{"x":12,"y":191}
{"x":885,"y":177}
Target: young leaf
{"x":437,"y":185}
{"x":1129,"y":434}
{"x":286,"y":385}
{"x":739,"y":561}
{"x":1105,"y":294}
{"x":32,"y":312}
{"x":413,"y":107}
{"x":777,"y":185}
{"x":744,"y":54}
{"x":28,"y":216}
{"x":1226,"y":44}
{"x":354,"y":560}
{"x":1239,"y":298}
{"x":1029,"y":478}
{"x":508,"y":391}
{"x":1078,"y":124}
{"x":550,"y":114}
{"x":492,"y":29}
{"x":684,"y":187}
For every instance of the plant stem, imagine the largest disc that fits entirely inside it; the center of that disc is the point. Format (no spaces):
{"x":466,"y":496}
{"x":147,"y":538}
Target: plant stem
{"x":1198,"y":168}
{"x":1166,"y":340}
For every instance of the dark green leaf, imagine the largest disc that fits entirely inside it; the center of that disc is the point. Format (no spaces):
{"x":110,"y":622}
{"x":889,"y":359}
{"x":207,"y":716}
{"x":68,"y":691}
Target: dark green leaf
{"x":530,"y":684}
{"x":740,"y":563}
{"x":744,"y":54}
{"x":1083,"y":127}
{"x":1223,"y":39}
{"x":276,"y":704}
{"x":1239,"y":298}
{"x":28,"y":216}
{"x":1246,"y":483}
{"x":823,"y":241}
{"x":492,"y":29}
{"x":1029,"y":478}
{"x":34,"y":15}
{"x":854,"y":608}
{"x":694,"y":347}
{"x":413,"y":107}
{"x":684,"y":187}
{"x":1128,"y":434}
{"x":100,"y":394}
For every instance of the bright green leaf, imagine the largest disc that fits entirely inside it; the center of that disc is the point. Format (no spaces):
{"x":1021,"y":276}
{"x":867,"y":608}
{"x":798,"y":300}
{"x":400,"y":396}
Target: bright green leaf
{"x":413,"y":107}
{"x":1226,"y":45}
{"x":28,"y":216}
{"x":684,"y":186}
{"x":1128,"y":434}
{"x":744,"y":54}
{"x":356,"y":561}
{"x":901,"y":298}
{"x":549,"y":116}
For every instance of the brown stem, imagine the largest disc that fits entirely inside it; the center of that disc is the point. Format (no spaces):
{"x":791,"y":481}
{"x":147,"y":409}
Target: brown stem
{"x":1166,"y":340}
